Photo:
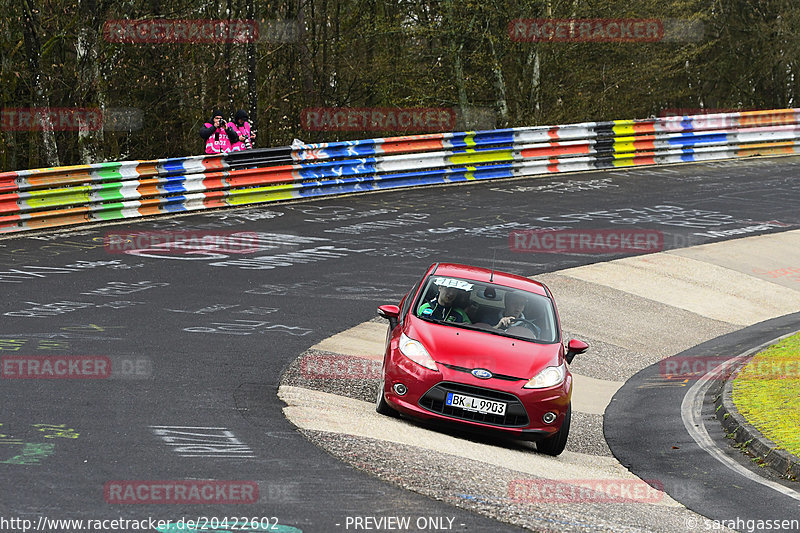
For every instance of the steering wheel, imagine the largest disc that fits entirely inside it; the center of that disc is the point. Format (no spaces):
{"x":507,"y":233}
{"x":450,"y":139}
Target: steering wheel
{"x":537,"y":331}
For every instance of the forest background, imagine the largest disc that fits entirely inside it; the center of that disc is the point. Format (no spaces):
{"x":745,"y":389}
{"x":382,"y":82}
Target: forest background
{"x":453,"y":54}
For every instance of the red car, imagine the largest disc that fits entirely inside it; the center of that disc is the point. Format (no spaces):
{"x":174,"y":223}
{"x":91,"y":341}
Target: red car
{"x":481,"y":349}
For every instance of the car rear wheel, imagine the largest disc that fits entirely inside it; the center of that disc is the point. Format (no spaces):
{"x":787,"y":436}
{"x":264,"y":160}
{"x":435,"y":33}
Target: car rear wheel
{"x":380,"y":402}
{"x":556,"y":443}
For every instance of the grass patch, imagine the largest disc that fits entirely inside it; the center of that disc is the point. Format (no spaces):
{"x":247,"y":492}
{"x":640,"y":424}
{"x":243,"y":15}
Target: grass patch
{"x":767,"y":393}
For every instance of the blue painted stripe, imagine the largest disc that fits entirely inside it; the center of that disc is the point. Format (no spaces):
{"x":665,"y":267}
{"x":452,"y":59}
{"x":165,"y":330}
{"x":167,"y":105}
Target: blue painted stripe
{"x":689,"y":139}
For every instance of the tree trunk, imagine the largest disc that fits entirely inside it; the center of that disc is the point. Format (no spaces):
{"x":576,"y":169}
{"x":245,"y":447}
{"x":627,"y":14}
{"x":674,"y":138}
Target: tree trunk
{"x":33,"y":50}
{"x":90,"y":95}
{"x":500,"y":85}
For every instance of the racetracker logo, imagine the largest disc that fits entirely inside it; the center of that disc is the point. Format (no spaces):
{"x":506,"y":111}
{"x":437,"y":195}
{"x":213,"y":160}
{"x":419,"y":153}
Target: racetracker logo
{"x":586,"y":30}
{"x":183,"y":242}
{"x":181,"y":492}
{"x":55,"y":367}
{"x":71,"y":119}
{"x":721,"y":368}
{"x":585,"y":491}
{"x":586,"y":241}
{"x":378,"y":119}
{"x":161,"y":31}
{"x":339,"y":367}
{"x":51,"y":119}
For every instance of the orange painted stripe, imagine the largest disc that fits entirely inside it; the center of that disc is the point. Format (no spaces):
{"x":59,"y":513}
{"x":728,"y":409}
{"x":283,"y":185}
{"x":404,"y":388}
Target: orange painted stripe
{"x":60,"y":212}
{"x":67,"y":177}
{"x":407,"y":146}
{"x":644,"y":144}
{"x":150,"y":210}
{"x":644,"y":160}
{"x":767,"y":118}
{"x":60,"y":220}
{"x":148,"y":190}
{"x":745,"y":152}
{"x":213,"y":162}
{"x":147,"y":169}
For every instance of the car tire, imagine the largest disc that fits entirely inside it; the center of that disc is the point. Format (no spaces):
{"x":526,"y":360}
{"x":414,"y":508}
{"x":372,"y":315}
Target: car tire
{"x":556,"y":443}
{"x":380,"y":402}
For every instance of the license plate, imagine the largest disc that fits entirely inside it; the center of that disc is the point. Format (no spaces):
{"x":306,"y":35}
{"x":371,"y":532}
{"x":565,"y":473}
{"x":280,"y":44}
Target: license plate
{"x":470,"y":403}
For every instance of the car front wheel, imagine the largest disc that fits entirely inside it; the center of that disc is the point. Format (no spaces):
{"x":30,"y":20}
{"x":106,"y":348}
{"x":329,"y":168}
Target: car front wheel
{"x":380,"y":402}
{"x":556,"y":443}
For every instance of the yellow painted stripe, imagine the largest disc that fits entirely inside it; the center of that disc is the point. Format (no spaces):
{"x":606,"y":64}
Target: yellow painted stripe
{"x":62,"y":190}
{"x":624,"y":147}
{"x":482,"y":157}
{"x":623,"y":127}
{"x":469,"y":140}
{"x":60,"y":199}
{"x":264,"y":196}
{"x":269,"y":193}
{"x":469,"y":175}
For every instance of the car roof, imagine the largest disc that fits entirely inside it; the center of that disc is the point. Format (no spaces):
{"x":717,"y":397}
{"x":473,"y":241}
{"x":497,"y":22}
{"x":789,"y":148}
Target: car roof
{"x":485,"y":275}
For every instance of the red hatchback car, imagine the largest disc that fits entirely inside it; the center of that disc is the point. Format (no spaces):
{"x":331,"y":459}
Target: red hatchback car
{"x":481,"y":349}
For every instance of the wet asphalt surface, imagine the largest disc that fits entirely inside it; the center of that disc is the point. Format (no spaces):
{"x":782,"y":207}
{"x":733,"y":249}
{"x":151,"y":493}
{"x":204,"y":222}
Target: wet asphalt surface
{"x":197,"y":340}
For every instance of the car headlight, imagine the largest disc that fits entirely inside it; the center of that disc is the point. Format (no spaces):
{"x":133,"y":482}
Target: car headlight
{"x":415,"y":351}
{"x":549,"y":377}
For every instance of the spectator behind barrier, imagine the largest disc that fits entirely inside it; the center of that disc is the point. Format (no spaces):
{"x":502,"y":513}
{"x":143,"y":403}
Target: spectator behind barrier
{"x":219,"y":137}
{"x":241,"y":127}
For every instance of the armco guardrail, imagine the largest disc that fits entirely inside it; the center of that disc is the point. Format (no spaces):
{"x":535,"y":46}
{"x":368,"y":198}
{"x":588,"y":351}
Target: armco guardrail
{"x":43,"y":198}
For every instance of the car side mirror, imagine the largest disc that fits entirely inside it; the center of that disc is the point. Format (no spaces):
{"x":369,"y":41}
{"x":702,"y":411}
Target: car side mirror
{"x":574,"y":348}
{"x":390,"y":313}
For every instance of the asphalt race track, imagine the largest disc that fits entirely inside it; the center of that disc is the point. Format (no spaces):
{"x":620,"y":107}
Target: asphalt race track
{"x":197,"y":344}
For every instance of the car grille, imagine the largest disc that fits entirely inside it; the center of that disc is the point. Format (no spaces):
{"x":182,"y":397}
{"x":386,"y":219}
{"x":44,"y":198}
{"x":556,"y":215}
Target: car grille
{"x":434,"y":400}
{"x":494,"y":376}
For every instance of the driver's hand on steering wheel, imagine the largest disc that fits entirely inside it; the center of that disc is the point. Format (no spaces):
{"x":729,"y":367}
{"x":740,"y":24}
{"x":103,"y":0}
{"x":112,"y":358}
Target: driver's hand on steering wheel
{"x":505,"y":322}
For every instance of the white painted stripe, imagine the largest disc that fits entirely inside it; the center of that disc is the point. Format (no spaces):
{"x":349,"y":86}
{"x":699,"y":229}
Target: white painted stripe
{"x":592,"y":395}
{"x":703,"y":288}
{"x":691,"y":414}
{"x":186,"y":427}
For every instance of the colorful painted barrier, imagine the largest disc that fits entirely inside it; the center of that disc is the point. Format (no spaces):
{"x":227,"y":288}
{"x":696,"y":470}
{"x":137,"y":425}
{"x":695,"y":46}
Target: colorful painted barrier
{"x":62,"y":196}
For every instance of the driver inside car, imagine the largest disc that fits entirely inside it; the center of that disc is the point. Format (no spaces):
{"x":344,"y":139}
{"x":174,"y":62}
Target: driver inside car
{"x":513,"y":313}
{"x":444,"y":307}
{"x":514,"y":306}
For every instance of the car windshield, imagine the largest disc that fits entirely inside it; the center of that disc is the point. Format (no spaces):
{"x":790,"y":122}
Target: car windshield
{"x":488,"y":307}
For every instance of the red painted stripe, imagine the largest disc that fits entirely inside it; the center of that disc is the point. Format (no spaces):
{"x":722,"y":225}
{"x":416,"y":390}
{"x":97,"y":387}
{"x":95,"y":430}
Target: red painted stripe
{"x":261,"y":176}
{"x":9,"y":203}
{"x":215,"y":199}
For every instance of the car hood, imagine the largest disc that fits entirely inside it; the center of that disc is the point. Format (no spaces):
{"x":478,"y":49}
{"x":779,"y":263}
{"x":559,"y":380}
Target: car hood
{"x":453,"y":345}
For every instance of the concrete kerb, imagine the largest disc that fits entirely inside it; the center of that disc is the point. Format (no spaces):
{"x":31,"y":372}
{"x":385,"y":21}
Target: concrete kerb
{"x":749,"y":438}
